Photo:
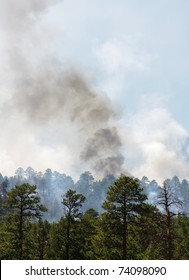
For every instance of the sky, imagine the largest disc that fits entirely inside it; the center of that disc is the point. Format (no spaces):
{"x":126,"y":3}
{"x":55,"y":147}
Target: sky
{"x":95,"y":85}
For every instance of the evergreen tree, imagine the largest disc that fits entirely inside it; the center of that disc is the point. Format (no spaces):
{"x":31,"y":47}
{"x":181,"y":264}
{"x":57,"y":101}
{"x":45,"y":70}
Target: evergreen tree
{"x":40,"y":239}
{"x":72,"y":203}
{"x":148,"y":234}
{"x":89,"y":228}
{"x":181,"y":242}
{"x":124,"y":202}
{"x":24,"y":206}
{"x":57,"y":240}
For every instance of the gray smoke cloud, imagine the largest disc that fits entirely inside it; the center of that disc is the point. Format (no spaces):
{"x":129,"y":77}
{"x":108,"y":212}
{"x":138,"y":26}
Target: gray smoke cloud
{"x":45,"y":93}
{"x":53,"y":102}
{"x":106,"y":165}
{"x":53,"y":115}
{"x":104,"y":142}
{"x":50,"y":96}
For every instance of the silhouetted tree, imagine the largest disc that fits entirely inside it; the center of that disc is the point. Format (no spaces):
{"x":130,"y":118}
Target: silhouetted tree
{"x":123,"y":203}
{"x":72,"y":203}
{"x":169,"y":204}
{"x":25,"y":206}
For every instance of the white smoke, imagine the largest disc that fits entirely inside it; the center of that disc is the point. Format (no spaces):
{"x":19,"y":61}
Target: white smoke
{"x":51,"y":114}
{"x":156,"y":145}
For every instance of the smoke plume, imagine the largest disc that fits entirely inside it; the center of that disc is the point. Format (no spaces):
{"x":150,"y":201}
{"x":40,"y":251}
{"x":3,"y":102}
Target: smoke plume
{"x":56,"y":105}
{"x":66,"y":96}
{"x":53,"y":115}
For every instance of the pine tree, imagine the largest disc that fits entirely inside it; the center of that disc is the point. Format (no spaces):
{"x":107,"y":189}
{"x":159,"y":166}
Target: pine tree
{"x":124,"y":201}
{"x":72,"y":203}
{"x":24,"y":206}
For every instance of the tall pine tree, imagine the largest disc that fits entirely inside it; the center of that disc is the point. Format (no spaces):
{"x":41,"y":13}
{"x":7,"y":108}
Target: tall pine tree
{"x":124,"y":201}
{"x":24,"y":206}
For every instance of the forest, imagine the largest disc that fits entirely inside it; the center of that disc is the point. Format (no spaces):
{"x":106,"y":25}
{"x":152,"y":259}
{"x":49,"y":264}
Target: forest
{"x":50,"y":216}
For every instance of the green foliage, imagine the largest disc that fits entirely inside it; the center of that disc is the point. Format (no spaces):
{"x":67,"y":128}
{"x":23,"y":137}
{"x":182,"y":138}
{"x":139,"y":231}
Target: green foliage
{"x":128,"y":228}
{"x":57,"y":241}
{"x":72,"y":203}
{"x":23,"y":200}
{"x":39,"y":240}
{"x":149,"y":233}
{"x":23,"y":206}
{"x":168,"y":201}
{"x":181,"y":237}
{"x":123,"y":204}
{"x":108,"y":243}
{"x":89,"y":222}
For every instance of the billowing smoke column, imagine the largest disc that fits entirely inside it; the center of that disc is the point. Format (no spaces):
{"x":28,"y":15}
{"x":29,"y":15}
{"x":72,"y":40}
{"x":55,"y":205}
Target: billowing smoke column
{"x":53,"y":116}
{"x":60,"y":96}
{"x":49,"y":97}
{"x":104,"y":142}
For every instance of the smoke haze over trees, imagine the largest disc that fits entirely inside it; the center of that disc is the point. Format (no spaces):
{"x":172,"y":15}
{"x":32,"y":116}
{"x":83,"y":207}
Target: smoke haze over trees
{"x":88,"y":219}
{"x":91,"y":97}
{"x":51,"y":185}
{"x":58,"y":113}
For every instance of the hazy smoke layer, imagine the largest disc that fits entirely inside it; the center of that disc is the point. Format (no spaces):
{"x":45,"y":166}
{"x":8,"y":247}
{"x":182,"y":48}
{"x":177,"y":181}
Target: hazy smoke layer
{"x":157,"y":145}
{"x":51,"y":114}
{"x":66,"y":96}
{"x":52,"y":99}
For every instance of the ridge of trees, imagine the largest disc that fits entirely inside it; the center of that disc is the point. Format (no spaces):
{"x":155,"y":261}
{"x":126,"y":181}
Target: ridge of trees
{"x":52,"y":185}
{"x":128,"y":225}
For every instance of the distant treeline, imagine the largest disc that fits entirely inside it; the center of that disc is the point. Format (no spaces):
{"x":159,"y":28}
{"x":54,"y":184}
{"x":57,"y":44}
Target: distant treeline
{"x":127,"y":227}
{"x":52,"y":185}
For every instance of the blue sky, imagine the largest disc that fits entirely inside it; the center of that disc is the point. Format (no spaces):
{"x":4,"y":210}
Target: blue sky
{"x":135,"y":48}
{"x":135,"y":52}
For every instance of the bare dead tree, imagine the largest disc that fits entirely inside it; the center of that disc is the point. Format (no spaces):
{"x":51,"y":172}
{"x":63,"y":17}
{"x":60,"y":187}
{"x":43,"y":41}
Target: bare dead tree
{"x":170,"y":205}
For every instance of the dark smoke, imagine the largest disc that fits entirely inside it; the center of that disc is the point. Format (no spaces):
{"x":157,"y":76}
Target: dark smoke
{"x":103,"y":151}
{"x":47,"y":92}
{"x":48,"y":96}
{"x":104,"y":141}
{"x":110,"y":165}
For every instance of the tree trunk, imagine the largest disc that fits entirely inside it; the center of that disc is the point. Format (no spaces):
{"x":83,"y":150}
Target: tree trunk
{"x":124,"y":257}
{"x":169,"y":237}
{"x":21,"y":236}
{"x":68,"y":239}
